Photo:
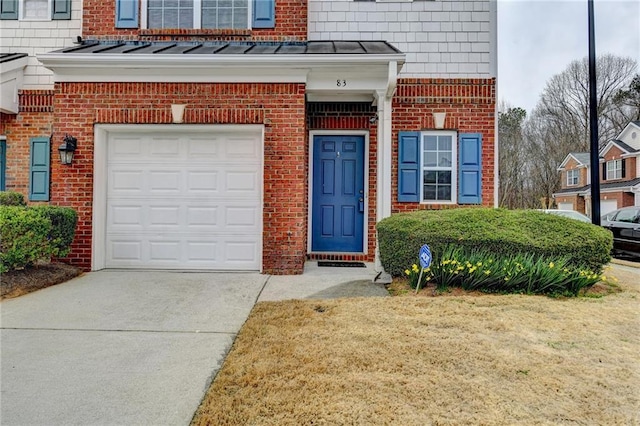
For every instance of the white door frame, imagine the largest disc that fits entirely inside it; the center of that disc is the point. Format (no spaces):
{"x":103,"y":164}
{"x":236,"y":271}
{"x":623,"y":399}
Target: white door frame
{"x":365,"y":134}
{"x":100,"y":164}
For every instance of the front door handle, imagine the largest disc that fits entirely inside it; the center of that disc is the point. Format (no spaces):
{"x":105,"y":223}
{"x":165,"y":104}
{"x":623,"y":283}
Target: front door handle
{"x":361,"y":201}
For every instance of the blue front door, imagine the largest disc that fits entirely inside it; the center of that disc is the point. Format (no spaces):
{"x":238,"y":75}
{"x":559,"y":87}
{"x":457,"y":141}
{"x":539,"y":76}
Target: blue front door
{"x":337,"y":218}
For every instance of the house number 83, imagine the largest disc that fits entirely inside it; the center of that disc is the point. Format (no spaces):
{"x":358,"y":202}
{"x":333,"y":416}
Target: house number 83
{"x":341,"y":83}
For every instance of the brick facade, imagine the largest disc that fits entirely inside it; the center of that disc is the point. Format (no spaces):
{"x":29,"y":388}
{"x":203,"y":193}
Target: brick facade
{"x":99,"y":24}
{"x":35,"y":119}
{"x":280,"y":107}
{"x":470,"y":108}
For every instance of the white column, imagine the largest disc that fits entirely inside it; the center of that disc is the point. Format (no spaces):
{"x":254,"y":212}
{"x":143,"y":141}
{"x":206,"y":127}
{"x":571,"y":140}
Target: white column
{"x":383,"y":197}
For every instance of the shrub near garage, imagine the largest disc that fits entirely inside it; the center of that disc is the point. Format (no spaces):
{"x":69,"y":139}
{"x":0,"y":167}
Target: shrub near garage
{"x":24,"y":237}
{"x":496,"y":231}
{"x":63,"y":227}
{"x":32,"y":234}
{"x":9,"y":198}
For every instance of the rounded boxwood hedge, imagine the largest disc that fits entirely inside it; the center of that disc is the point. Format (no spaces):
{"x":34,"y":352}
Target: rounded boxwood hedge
{"x":498,"y":231}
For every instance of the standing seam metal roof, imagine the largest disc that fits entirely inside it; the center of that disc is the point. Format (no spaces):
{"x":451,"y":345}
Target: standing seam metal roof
{"x":236,"y":48}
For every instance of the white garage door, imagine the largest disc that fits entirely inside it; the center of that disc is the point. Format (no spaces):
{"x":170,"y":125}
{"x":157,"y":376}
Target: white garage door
{"x":184,"y":201}
{"x":565,"y":206}
{"x":607,"y":206}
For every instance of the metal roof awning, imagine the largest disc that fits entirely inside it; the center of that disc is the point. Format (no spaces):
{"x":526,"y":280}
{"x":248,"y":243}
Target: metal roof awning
{"x":365,"y":67}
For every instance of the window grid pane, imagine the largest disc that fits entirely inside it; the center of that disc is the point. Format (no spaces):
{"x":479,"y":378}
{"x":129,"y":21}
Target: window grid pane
{"x":36,"y":9}
{"x":614,"y":169}
{"x":170,"y":14}
{"x":572,"y":177}
{"x":437,"y":160}
{"x":225,"y":14}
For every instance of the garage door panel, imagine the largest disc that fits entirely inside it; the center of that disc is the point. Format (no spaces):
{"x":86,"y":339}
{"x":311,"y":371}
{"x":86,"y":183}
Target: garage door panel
{"x":184,"y":202}
{"x":242,"y":148}
{"x":202,"y":181}
{"x":241,"y":182}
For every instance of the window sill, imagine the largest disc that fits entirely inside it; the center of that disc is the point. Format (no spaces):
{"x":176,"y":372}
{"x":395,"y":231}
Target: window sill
{"x":178,"y":32}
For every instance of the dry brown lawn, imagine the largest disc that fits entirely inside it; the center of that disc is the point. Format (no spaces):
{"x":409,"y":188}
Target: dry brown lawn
{"x":456,"y":360}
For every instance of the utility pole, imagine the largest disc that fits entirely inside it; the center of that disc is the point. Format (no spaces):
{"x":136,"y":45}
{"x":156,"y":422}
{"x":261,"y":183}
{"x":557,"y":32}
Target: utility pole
{"x":593,"y":122}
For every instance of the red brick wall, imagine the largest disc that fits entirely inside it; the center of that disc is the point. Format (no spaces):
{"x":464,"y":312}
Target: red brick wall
{"x":351,"y":116}
{"x":470,"y":107}
{"x":34,"y":119}
{"x":281,"y":107}
{"x":99,"y":23}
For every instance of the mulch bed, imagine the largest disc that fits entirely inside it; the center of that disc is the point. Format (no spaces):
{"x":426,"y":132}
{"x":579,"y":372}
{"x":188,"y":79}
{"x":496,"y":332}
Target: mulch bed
{"x":18,"y":283}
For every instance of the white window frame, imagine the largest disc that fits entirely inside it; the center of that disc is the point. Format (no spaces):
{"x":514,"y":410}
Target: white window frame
{"x":614,"y":169}
{"x":21,"y":8}
{"x":197,"y":15}
{"x":573,"y":177}
{"x":453,"y":168}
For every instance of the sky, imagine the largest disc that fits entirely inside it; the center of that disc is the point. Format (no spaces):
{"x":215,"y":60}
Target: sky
{"x":537,"y":39}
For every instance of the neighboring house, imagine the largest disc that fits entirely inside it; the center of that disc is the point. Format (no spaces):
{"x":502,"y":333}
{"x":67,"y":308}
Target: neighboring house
{"x":619,"y":175}
{"x":256,"y":134}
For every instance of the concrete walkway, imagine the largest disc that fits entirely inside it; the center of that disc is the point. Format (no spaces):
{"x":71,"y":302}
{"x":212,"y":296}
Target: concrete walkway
{"x":136,"y":348}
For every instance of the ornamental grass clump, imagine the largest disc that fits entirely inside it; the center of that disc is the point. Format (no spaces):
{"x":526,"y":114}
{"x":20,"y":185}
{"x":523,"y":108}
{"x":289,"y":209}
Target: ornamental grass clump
{"x":518,"y":273}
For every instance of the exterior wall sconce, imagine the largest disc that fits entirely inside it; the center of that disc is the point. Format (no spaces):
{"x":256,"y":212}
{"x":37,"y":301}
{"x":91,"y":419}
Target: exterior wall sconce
{"x":67,"y":149}
{"x":438,"y":119}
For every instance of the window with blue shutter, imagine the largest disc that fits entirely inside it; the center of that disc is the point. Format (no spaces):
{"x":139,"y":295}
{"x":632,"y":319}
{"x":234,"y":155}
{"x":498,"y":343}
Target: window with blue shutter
{"x":264,"y":14}
{"x":470,"y":168}
{"x":3,"y":164}
{"x":409,"y":167}
{"x":39,"y":169}
{"x":8,"y":9}
{"x":61,"y":9}
{"x":126,"y":13}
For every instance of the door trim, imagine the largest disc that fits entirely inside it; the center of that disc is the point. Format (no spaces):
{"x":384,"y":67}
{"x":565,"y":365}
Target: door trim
{"x":100,"y":163}
{"x":365,"y":236}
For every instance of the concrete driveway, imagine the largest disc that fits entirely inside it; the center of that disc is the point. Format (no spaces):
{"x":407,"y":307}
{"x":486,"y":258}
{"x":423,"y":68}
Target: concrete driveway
{"x":137,"y":348}
{"x":119,"y":348}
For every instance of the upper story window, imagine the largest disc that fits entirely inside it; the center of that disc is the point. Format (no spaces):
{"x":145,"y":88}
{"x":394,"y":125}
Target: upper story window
{"x":35,"y":10}
{"x":614,"y":169}
{"x":572,"y":177}
{"x":197,"y":14}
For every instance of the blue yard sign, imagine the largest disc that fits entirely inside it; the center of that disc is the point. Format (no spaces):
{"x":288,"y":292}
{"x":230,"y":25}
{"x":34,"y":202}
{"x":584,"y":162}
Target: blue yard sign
{"x":425,"y":256}
{"x":425,"y":262}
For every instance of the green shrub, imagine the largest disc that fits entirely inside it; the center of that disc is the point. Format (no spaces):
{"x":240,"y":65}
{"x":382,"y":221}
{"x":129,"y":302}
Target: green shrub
{"x":63,"y":227}
{"x":8,"y":198}
{"x":511,"y":273}
{"x":496,"y":231}
{"x":24,"y":237}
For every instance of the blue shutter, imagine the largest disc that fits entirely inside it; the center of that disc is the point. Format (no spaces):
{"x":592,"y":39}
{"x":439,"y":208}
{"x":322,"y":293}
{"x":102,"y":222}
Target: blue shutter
{"x":470,"y":168}
{"x":3,"y":164}
{"x":39,"y":169}
{"x":126,"y":13}
{"x":8,"y":9}
{"x":409,"y":167}
{"x":264,"y":14}
{"x":61,"y":9}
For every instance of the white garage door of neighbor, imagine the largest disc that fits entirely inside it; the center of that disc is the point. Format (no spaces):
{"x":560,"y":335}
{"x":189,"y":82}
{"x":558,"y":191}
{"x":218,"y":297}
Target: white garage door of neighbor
{"x":607,"y":206}
{"x":184,"y":201}
{"x":565,"y":206}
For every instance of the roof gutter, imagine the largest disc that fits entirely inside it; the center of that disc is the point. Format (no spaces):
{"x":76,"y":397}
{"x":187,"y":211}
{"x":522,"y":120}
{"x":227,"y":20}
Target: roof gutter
{"x":55,"y":60}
